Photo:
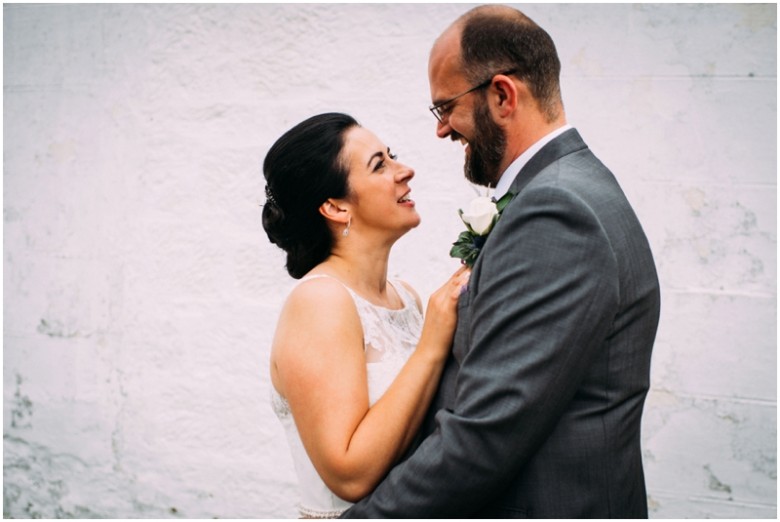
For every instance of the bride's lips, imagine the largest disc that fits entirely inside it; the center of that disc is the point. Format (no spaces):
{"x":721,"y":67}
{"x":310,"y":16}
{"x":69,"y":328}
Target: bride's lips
{"x":405,"y":200}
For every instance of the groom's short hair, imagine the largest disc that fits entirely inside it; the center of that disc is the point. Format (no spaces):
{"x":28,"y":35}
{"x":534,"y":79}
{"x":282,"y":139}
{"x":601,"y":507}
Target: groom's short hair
{"x":500,"y":38}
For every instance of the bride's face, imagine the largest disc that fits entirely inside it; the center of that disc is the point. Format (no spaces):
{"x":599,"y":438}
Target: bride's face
{"x":379,"y":185}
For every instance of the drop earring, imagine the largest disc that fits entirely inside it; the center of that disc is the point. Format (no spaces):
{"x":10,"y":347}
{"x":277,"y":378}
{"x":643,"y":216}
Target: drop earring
{"x":346,"y":229}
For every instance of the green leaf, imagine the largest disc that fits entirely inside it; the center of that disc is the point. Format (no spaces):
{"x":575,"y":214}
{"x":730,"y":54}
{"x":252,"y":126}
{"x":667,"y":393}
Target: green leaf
{"x":505,"y":199}
{"x":471,"y":258}
{"x":466,"y":237}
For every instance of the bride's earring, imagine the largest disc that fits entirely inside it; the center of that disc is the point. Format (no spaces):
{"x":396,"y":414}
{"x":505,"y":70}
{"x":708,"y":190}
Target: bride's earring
{"x":346,"y":229}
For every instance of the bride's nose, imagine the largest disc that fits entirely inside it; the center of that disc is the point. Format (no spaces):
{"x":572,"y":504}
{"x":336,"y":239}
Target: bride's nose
{"x":405,"y":173}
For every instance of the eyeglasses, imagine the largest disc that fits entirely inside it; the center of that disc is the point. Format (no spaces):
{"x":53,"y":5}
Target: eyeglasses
{"x":441,"y":109}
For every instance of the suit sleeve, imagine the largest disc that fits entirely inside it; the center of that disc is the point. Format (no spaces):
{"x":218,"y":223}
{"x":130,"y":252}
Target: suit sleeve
{"x":541,"y":301}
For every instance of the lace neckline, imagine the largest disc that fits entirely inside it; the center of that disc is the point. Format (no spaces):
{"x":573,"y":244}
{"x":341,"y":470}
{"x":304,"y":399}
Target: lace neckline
{"x":402,"y":292}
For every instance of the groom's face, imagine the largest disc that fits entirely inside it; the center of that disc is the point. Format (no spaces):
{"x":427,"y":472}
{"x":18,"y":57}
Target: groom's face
{"x":466,"y":118}
{"x":486,"y":146}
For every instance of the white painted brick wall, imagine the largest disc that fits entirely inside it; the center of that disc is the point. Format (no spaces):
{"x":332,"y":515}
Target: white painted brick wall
{"x":140,"y":292}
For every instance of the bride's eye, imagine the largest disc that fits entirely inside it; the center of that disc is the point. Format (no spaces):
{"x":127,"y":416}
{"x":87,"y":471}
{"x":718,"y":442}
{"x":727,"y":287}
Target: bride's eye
{"x":381,"y":163}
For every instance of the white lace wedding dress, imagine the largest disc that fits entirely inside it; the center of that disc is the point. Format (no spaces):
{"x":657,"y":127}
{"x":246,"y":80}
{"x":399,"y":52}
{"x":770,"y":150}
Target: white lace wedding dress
{"x":390,"y":337}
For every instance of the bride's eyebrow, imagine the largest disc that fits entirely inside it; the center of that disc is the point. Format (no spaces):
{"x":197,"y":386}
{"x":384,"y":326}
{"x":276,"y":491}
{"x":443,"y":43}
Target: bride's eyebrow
{"x":378,"y":154}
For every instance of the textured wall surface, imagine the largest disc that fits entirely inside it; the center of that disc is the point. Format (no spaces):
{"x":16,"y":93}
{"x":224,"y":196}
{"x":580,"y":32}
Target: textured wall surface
{"x":140,"y":292}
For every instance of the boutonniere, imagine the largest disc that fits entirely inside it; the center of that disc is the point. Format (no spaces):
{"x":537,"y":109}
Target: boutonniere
{"x":483,"y":213}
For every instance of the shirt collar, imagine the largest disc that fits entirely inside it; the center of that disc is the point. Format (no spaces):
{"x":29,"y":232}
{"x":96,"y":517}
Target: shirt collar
{"x":506,"y":179}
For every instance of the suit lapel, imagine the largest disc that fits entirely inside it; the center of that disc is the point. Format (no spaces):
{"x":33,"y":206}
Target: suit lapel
{"x":567,"y":143}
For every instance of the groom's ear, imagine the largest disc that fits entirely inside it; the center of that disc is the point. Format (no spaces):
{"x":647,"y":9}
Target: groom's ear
{"x":335,"y":211}
{"x":505,"y":95}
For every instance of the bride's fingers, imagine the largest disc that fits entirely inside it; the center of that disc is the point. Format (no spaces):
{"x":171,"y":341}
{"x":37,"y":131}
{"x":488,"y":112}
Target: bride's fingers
{"x":461,"y":283}
{"x":460,"y":273}
{"x":460,"y":270}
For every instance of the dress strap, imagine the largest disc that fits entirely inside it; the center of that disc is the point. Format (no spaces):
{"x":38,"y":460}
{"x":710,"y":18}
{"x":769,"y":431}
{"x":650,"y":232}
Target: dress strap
{"x":407,"y":298}
{"x":355,"y":297}
{"x":326,"y":276}
{"x":316,"y":276}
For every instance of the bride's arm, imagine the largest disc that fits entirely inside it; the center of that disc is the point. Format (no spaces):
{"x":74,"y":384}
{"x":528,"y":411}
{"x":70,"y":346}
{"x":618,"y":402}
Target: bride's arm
{"x":318,"y":364}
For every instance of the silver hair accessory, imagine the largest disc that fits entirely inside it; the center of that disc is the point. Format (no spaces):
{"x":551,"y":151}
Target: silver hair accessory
{"x":346,"y":229}
{"x":270,"y":195}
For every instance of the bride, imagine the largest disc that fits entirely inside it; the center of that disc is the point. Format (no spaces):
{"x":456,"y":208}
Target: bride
{"x":353,"y":364}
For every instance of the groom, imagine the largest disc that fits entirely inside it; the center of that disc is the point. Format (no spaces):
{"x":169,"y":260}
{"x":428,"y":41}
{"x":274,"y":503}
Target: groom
{"x":539,"y":409}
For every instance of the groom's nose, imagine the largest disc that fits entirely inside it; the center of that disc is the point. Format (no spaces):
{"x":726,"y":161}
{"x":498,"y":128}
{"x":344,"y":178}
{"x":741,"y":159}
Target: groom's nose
{"x":443,"y":129}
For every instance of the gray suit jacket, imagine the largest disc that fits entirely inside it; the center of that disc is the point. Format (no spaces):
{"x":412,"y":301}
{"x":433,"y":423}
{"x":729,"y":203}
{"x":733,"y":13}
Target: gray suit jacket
{"x":539,"y":409}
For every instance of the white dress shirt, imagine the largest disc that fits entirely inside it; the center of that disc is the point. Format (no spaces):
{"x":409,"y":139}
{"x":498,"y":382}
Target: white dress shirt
{"x":506,"y":179}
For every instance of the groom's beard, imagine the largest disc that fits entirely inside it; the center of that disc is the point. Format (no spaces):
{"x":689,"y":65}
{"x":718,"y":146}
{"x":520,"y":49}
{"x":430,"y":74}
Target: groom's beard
{"x":486,"y":149}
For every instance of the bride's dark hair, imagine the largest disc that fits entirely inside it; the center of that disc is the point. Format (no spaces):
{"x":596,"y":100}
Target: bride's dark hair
{"x":302,"y":170}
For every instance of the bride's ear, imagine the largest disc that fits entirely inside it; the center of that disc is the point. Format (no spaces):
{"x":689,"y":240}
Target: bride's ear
{"x":335,"y":212}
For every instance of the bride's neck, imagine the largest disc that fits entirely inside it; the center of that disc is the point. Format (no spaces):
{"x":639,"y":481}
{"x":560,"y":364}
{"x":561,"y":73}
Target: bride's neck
{"x":360,"y":266}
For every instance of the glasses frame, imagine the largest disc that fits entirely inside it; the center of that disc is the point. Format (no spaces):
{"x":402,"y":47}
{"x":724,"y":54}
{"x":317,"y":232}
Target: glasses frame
{"x":439,"y":113}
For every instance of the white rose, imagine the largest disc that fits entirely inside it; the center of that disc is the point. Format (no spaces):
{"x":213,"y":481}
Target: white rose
{"x":480,"y":215}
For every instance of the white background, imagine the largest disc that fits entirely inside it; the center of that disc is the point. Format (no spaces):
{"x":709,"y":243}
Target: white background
{"x":140,"y":291}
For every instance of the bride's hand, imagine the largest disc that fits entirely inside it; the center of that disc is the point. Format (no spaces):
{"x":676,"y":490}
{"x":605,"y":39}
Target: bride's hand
{"x":441,"y":316}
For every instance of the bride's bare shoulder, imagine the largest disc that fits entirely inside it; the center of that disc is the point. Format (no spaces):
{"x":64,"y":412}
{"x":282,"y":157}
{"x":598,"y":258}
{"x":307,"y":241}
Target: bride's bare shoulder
{"x":319,"y":292}
{"x":319,"y":306}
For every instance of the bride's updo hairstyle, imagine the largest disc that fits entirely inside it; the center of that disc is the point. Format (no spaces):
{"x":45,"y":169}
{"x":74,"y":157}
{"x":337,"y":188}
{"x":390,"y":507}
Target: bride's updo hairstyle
{"x":302,"y":170}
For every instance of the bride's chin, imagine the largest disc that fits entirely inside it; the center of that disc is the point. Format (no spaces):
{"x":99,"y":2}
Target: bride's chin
{"x":417,"y":221}
{"x":412,"y":225}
